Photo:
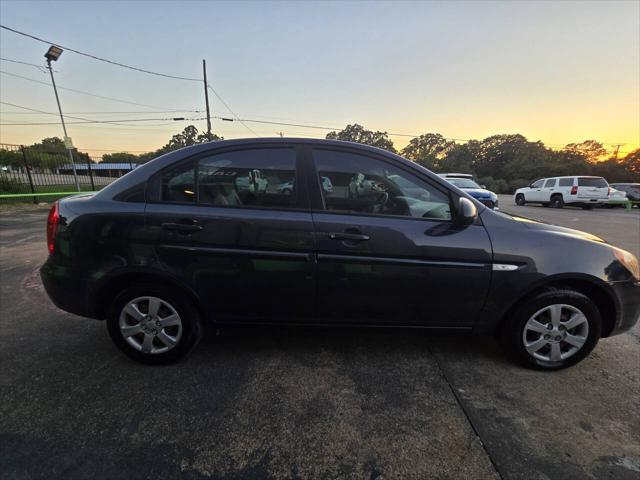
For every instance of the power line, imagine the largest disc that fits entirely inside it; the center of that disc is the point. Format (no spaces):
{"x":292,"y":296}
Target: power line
{"x":109,"y":113}
{"x":39,"y":67}
{"x":114,"y":122}
{"x":142,"y":70}
{"x":86,"y":120}
{"x":231,"y":111}
{"x":89,"y":93}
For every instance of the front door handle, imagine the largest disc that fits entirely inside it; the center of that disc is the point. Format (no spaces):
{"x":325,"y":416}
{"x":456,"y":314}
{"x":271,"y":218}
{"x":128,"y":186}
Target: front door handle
{"x":352,"y":237}
{"x":183,"y":227}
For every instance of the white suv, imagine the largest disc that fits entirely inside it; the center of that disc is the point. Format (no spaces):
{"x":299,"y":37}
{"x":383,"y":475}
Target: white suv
{"x":585,"y":192}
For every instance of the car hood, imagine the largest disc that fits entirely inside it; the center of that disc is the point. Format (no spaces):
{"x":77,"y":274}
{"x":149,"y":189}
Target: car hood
{"x":555,"y":229}
{"x":479,"y":192}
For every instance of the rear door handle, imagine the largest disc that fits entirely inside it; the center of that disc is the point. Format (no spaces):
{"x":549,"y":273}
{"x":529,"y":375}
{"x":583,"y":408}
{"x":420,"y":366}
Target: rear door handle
{"x":353,"y":237}
{"x":183,"y":227}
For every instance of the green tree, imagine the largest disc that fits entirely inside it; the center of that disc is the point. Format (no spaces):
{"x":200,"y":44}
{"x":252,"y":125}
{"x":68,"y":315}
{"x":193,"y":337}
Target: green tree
{"x":461,"y":158}
{"x":428,"y":150}
{"x":632,"y":164}
{"x":189,"y":136}
{"x":51,"y":152}
{"x":11,"y":159}
{"x":591,"y":150}
{"x":358,"y":134}
{"x":120,"y":157}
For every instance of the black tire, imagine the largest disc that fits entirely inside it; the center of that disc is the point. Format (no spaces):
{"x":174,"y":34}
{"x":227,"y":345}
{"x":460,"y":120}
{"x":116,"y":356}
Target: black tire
{"x":189,"y":317}
{"x":557,"y":201}
{"x":587,"y":207}
{"x":520,"y":201}
{"x":513,"y":329}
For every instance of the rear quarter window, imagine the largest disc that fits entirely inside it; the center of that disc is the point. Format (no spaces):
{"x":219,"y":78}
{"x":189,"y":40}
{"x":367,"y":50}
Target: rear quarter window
{"x":592,"y":182}
{"x":566,"y":182}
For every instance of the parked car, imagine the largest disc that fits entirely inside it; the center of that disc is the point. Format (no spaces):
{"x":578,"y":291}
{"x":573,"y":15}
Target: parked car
{"x":616,"y":198}
{"x":466,"y":183}
{"x":631,"y":189}
{"x":157,"y":263}
{"x":579,"y":191}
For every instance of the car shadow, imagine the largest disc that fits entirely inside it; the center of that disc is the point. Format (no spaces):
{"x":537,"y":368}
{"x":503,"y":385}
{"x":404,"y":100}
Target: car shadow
{"x":372,"y":342}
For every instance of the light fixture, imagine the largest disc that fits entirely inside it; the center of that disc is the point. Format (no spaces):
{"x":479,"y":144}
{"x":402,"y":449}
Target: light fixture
{"x":53,"y":53}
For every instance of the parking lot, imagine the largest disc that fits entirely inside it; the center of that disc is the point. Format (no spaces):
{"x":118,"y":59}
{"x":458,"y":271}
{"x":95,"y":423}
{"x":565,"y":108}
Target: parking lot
{"x":304,"y":403}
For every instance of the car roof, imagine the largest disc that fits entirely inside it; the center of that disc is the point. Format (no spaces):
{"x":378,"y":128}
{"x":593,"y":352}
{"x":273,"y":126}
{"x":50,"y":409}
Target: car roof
{"x":572,"y":176}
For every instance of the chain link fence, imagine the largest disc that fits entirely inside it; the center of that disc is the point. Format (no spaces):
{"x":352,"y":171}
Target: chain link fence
{"x":31,"y":174}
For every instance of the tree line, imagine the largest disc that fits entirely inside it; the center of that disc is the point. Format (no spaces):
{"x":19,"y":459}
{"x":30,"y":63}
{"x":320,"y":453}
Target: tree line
{"x":501,"y":162}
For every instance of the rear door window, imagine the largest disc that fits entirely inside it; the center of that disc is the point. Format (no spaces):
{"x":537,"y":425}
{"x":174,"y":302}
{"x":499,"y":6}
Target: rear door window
{"x":261,"y":177}
{"x":597,"y":182}
{"x":550,"y":183}
{"x":178,"y":184}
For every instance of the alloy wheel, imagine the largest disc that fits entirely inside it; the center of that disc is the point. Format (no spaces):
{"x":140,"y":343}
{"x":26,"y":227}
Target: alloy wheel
{"x":150,"y":325}
{"x":555,"y":332}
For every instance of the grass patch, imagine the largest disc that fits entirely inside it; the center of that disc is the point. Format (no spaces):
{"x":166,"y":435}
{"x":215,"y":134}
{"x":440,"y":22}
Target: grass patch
{"x":53,"y":189}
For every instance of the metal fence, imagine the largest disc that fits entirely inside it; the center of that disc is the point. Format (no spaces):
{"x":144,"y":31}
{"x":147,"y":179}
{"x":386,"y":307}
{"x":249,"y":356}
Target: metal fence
{"x":28,"y":173}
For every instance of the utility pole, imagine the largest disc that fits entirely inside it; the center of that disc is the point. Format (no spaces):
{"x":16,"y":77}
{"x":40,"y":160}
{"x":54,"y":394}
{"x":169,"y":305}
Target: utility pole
{"x":615,"y":152}
{"x":206,"y":98}
{"x":53,"y":54}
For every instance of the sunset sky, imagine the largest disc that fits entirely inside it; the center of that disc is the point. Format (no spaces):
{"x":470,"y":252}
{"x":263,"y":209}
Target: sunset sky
{"x":558,"y":72}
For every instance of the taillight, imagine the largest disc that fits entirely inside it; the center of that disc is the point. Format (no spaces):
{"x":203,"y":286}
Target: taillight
{"x":609,"y":192}
{"x":574,"y":190}
{"x":52,"y":226}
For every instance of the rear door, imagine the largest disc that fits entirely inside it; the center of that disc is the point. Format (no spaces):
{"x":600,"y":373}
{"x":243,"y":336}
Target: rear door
{"x":592,"y":188}
{"x":549,"y":188}
{"x":388,"y":250}
{"x":223,"y":224}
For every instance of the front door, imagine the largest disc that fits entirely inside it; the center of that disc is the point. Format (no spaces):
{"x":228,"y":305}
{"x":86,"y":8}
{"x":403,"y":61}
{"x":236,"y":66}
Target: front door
{"x":535,"y":192}
{"x":388,"y":250}
{"x":235,"y":227}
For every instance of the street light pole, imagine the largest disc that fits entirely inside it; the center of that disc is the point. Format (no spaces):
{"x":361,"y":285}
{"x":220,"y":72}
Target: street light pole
{"x":67,"y":140}
{"x":206,"y":99}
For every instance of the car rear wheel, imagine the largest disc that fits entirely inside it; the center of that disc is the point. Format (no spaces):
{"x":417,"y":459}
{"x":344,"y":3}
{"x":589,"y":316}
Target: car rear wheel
{"x":153,"y":324}
{"x":553,"y":329}
{"x":557,"y":201}
{"x":520,"y":199}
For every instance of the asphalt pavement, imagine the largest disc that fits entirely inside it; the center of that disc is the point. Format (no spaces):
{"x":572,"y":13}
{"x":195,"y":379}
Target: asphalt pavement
{"x":304,"y":403}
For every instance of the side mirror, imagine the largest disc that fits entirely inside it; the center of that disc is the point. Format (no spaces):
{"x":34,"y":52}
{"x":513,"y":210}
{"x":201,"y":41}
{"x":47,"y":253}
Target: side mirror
{"x":467,"y":211}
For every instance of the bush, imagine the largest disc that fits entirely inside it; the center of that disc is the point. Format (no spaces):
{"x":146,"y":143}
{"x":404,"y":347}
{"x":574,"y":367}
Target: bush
{"x":495,"y":185}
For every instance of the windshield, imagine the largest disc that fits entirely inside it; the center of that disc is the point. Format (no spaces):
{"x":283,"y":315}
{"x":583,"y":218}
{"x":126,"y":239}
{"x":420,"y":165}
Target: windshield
{"x":463,"y":182}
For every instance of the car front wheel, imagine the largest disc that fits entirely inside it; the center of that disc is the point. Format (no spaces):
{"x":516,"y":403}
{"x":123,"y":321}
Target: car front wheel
{"x":553,"y":329}
{"x":153,"y":324}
